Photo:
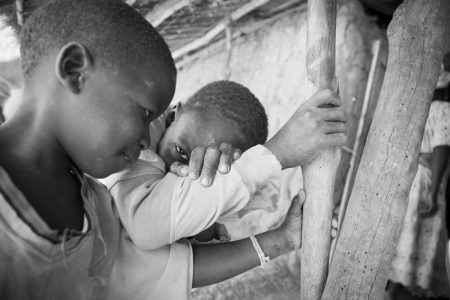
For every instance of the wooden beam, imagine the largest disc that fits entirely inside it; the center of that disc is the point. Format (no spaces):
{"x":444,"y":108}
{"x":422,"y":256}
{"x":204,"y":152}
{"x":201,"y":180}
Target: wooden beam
{"x":221,"y":26}
{"x":164,"y":10}
{"x":319,"y":175}
{"x":417,"y":37}
{"x":356,"y":146}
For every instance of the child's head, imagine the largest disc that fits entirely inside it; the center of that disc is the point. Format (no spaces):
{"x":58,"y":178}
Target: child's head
{"x":114,"y":33}
{"x":220,"y":112}
{"x":100,"y":73}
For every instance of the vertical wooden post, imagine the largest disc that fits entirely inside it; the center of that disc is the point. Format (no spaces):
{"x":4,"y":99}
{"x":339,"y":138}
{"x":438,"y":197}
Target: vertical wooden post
{"x":319,"y":175}
{"x":356,"y":146}
{"x":418,"y":36}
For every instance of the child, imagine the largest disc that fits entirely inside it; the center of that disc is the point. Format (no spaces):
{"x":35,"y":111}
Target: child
{"x":87,"y":103}
{"x":148,"y":201}
{"x":226,"y":112}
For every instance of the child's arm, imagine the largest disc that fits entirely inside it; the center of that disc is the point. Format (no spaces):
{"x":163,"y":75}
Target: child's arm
{"x":217,"y":262}
{"x":157,"y":210}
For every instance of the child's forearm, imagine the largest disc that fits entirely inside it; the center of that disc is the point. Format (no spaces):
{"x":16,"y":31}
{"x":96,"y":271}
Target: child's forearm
{"x":214,"y":263}
{"x":177,"y":207}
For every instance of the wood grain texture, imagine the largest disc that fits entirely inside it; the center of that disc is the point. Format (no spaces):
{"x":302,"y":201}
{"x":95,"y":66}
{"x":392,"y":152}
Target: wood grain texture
{"x":319,"y":175}
{"x":417,"y":38}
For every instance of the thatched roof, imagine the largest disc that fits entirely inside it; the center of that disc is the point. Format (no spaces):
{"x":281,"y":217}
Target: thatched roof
{"x":188,"y":25}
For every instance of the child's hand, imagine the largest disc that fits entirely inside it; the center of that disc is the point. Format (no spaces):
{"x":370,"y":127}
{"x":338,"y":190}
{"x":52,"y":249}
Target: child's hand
{"x":206,"y":161}
{"x":291,"y":228}
{"x":292,"y":225}
{"x":317,"y":124}
{"x":216,"y":232}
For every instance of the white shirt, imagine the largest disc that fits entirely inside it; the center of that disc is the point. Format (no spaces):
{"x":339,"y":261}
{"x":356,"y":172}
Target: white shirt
{"x":158,"y":209}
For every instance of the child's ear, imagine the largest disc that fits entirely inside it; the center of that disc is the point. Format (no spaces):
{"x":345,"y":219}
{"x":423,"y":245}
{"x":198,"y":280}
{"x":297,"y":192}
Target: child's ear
{"x":71,"y":64}
{"x":173,"y":114}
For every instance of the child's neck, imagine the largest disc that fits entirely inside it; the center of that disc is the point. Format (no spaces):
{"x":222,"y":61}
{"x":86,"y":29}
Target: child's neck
{"x":25,"y":141}
{"x":40,"y":168}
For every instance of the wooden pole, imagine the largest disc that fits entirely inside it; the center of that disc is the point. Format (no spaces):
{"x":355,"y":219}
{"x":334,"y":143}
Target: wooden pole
{"x":356,"y":145}
{"x":319,"y":175}
{"x":164,"y":10}
{"x":418,"y":36}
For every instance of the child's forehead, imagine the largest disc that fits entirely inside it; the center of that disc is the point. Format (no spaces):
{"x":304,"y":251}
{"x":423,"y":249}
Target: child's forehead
{"x":204,"y":117}
{"x":147,"y":84}
{"x":202,"y":121}
{"x":146,"y":72}
{"x":197,"y":128}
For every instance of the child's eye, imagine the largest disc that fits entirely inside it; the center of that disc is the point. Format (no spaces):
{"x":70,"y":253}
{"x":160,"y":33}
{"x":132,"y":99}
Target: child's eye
{"x":147,"y":113}
{"x":181,"y":152}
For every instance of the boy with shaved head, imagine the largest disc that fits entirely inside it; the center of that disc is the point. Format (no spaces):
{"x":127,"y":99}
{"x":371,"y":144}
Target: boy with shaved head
{"x":87,"y":103}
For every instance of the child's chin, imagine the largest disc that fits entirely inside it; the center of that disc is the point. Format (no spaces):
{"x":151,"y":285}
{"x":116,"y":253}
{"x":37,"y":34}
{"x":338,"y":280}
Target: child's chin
{"x":103,"y":173}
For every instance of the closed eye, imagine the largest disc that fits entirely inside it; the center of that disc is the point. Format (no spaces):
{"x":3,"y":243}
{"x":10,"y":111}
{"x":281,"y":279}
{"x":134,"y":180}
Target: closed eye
{"x":182,"y":153}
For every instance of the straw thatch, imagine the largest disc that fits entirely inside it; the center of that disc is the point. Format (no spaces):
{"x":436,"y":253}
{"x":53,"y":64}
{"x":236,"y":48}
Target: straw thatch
{"x":189,"y":25}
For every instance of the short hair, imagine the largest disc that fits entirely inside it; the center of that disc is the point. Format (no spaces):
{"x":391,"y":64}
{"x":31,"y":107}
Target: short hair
{"x":113,"y":32}
{"x":232,"y":101}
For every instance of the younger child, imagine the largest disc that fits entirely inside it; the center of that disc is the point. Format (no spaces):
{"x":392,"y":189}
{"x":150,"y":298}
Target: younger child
{"x":156,"y":211}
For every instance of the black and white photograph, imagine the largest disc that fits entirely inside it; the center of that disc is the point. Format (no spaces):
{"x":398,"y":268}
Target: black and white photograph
{"x":224,"y":149}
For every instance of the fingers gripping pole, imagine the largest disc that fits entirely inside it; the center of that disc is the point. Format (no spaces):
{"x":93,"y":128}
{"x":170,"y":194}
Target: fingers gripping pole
{"x":319,"y":175}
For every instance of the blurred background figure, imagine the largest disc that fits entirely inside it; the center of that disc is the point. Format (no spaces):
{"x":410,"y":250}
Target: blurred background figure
{"x":418,"y":269}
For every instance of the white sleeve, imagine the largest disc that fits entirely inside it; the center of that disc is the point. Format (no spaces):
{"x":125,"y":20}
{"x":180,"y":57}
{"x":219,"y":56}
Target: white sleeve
{"x":159,"y":211}
{"x":272,"y":196}
{"x":195,"y":208}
